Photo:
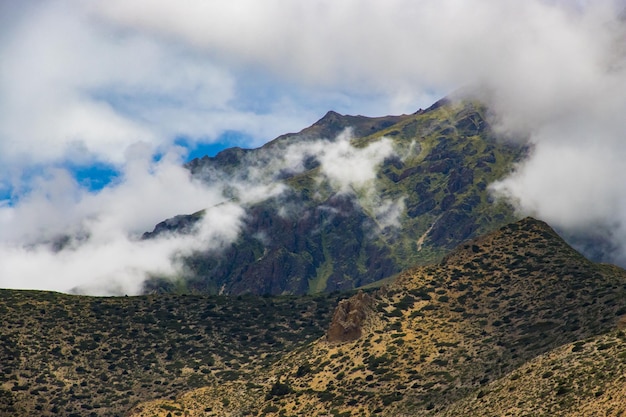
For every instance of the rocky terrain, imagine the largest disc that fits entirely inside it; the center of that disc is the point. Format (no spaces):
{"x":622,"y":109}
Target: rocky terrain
{"x":428,"y":196}
{"x":515,"y":322}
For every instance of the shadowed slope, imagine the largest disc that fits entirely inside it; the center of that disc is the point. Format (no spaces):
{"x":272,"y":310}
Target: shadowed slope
{"x":316,"y":237}
{"x":64,"y":355}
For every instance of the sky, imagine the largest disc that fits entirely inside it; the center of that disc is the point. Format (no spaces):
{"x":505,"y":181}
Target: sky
{"x":102,"y":101}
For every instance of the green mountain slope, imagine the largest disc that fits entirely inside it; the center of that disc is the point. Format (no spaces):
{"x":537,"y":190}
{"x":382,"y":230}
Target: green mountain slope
{"x":316,"y":237}
{"x":463,"y":337}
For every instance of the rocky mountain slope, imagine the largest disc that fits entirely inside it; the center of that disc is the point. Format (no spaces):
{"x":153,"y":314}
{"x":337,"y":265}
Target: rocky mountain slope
{"x":429,"y":195}
{"x":515,"y":322}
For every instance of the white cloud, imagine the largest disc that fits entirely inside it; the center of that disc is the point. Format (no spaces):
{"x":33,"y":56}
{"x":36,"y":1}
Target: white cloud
{"x":348,"y":168}
{"x":388,"y":212}
{"x":107,"y":73}
{"x":108,"y":255}
{"x":69,"y":79}
{"x":388,"y":47}
{"x":91,"y":80}
{"x":569,"y":187}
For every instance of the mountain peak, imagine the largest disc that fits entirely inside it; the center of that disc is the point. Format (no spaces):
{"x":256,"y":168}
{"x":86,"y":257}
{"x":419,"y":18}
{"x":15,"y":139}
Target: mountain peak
{"x":330,"y":115}
{"x":528,"y":235}
{"x":334,"y":123}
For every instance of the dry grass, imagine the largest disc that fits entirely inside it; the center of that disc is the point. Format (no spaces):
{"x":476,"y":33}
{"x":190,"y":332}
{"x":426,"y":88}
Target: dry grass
{"x":453,"y":339}
{"x":68,"y":355}
{"x":514,"y":323}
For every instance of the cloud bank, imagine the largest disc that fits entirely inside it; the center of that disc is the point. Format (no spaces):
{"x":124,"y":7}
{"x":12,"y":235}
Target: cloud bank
{"x":61,"y":236}
{"x":86,"y":82}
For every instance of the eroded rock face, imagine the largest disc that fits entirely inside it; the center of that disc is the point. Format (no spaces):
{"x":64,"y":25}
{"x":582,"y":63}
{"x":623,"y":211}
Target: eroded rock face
{"x":349,"y":318}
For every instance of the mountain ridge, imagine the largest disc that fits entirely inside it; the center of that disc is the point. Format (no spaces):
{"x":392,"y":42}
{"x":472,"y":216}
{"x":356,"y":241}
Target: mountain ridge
{"x":433,"y":190}
{"x":494,"y":304}
{"x":456,"y":337}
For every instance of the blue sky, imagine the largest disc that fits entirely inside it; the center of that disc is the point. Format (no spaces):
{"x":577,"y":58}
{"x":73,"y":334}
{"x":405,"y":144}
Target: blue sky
{"x":102,"y":102}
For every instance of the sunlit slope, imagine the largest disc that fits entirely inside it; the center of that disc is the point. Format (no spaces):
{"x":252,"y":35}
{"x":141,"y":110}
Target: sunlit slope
{"x":451,"y":339}
{"x":585,"y":378}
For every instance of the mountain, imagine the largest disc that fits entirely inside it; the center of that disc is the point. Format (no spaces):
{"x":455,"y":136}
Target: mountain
{"x":584,"y":378}
{"x":488,"y":331}
{"x":429,"y":195}
{"x":513,"y":322}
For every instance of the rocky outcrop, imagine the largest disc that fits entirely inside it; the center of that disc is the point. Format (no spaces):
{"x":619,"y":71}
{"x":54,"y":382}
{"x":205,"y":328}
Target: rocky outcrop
{"x":182,"y":224}
{"x":348,"y":319}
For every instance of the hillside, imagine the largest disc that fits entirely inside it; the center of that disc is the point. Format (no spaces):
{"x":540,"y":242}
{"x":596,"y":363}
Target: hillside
{"x":515,"y":320}
{"x":64,"y":355}
{"x":584,"y":378}
{"x":318,"y":236}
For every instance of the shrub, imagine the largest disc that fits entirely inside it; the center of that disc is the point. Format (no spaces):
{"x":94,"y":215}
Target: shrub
{"x":279,"y":389}
{"x":271,"y":408}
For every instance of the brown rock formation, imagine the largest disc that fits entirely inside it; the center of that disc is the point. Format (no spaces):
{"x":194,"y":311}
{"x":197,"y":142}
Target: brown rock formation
{"x":348,"y":318}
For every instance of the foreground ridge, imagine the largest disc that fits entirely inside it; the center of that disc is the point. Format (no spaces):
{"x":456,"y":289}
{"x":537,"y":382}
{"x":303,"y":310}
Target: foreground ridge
{"x":457,"y":338}
{"x":63,"y":355}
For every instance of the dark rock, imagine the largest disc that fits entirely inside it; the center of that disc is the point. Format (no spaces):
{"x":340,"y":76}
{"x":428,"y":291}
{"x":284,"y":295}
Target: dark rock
{"x":393,"y":161}
{"x":442,"y":166}
{"x":453,"y":226}
{"x":471,"y":125}
{"x":490,"y":158}
{"x":460,"y":179}
{"x":410,"y":172}
{"x":182,"y":224}
{"x":391,"y":175}
{"x":447,"y":131}
{"x":469,"y":150}
{"x":423,"y":207}
{"x":447,"y":202}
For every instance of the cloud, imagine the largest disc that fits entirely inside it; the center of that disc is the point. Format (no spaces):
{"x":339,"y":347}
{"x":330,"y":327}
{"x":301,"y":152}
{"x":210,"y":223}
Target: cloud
{"x":61,"y":236}
{"x":119,"y":81}
{"x":349,"y":170}
{"x":90,"y":241}
{"x":387,"y":47}
{"x":347,"y":167}
{"x":387,"y":213}
{"x":107,"y":73}
{"x":69,"y":79}
{"x":553,"y":72}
